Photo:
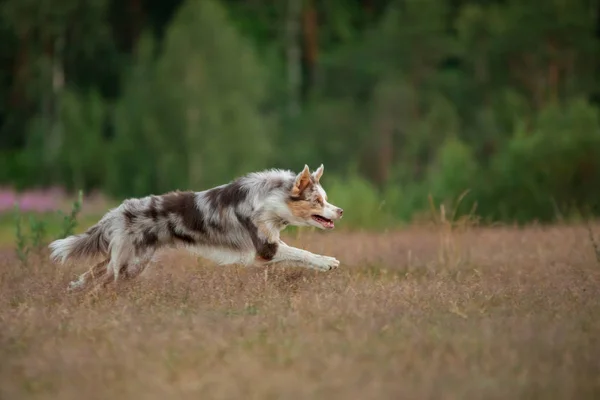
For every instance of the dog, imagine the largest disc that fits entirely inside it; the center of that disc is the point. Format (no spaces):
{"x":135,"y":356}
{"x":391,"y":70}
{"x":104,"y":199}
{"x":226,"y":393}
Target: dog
{"x":235,"y":223}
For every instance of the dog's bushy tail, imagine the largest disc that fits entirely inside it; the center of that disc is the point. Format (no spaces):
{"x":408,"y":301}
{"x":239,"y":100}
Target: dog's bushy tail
{"x":87,"y":244}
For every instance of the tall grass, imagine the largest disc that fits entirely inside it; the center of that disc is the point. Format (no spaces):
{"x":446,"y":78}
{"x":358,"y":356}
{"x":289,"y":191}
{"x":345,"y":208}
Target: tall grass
{"x":36,"y":237}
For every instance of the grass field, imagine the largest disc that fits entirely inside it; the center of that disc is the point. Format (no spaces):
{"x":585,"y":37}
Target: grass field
{"x":497,"y":313}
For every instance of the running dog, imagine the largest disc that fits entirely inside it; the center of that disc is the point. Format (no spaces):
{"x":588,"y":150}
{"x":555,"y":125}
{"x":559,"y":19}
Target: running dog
{"x":236,"y":223}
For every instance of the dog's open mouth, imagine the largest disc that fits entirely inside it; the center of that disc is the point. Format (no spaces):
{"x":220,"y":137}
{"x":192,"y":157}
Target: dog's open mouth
{"x":325,"y":222}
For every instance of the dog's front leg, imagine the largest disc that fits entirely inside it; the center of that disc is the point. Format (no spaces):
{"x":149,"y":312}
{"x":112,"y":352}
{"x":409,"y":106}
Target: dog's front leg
{"x":285,"y":253}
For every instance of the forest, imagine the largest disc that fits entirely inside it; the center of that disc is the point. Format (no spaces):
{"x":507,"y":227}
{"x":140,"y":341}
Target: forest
{"x":493,"y":103}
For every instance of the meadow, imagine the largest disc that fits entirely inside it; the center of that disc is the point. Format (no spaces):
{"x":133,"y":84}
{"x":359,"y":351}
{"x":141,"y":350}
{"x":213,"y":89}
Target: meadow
{"x":425,"y":312}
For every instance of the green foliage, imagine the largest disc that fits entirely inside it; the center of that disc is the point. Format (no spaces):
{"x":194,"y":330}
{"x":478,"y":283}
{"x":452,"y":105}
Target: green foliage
{"x":21,"y":241}
{"x":549,"y":171}
{"x":415,"y":98}
{"x":192,"y":117}
{"x":545,"y":172}
{"x":217,"y":103}
{"x":69,"y":221}
{"x":36,"y":239}
{"x":364,"y":206}
{"x":82,"y":151}
{"x":454,"y":172}
{"x":141,"y":148}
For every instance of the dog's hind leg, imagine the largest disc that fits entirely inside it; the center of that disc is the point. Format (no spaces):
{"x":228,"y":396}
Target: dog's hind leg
{"x":137,"y":266}
{"x":96,"y":272}
{"x":102,"y":281}
{"x":121,"y":255}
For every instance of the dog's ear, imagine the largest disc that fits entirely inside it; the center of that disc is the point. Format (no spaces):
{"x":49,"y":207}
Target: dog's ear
{"x":302,"y":181}
{"x":318,"y":173}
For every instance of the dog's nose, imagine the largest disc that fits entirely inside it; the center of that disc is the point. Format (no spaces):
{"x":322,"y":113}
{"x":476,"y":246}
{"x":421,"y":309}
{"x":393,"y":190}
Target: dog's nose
{"x":340,"y":212}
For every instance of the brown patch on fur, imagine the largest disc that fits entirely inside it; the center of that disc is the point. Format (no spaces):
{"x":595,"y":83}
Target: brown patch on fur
{"x":149,"y":240}
{"x":266,"y":251}
{"x":174,"y":202}
{"x":184,"y":237}
{"x":305,"y":202}
{"x":264,"y":245}
{"x":307,"y":194}
{"x":227,"y":196}
{"x":183,"y":204}
{"x":152,"y":211}
{"x":303,"y":181}
{"x":129,"y":217}
{"x":303,"y":209}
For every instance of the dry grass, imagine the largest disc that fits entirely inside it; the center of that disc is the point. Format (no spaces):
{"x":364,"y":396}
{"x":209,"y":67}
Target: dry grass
{"x":489,"y":313}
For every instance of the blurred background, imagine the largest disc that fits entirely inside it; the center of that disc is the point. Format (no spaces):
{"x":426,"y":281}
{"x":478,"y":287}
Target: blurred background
{"x":400,"y":99}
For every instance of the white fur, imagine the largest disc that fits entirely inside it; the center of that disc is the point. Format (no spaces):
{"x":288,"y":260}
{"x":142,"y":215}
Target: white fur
{"x":62,"y":248}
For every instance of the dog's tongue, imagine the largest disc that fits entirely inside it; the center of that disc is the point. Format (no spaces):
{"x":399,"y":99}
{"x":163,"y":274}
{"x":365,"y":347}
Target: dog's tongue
{"x":326,"y":223}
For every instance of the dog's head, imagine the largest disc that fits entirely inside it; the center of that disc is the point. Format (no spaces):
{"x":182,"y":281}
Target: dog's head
{"x":308,"y":204}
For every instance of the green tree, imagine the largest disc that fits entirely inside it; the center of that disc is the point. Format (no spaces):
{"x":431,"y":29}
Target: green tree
{"x":215,"y":85}
{"x":142,"y":141}
{"x":194,"y":116}
{"x":83,"y":150}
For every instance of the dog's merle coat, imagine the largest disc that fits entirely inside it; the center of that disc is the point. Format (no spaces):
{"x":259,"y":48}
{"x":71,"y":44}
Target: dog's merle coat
{"x":238,"y":222}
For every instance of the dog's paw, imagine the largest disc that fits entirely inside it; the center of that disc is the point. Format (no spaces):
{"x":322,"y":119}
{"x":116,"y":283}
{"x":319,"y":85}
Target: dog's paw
{"x":325,"y":263}
{"x":76,"y":285}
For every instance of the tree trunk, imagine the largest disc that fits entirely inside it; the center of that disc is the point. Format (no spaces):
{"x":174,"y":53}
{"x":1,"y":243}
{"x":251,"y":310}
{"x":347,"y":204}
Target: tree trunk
{"x":19,"y":73}
{"x":311,"y":45}
{"x":135,"y":8}
{"x":526,"y":74}
{"x":293,"y":56}
{"x":386,"y":132}
{"x":55,"y":134}
{"x":553,"y":73}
